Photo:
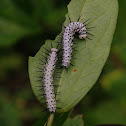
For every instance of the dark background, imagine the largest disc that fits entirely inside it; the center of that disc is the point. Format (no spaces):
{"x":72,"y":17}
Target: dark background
{"x":24,"y":27}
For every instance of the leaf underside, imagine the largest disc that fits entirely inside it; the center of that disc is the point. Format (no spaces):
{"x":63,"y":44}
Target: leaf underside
{"x":91,"y":55}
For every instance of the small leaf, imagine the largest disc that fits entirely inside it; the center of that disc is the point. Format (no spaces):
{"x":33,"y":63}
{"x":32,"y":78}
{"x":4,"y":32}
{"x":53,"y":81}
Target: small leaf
{"x":90,"y":57}
{"x":77,"y":121}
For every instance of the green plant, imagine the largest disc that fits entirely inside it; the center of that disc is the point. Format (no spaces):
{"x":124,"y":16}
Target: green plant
{"x":91,"y":55}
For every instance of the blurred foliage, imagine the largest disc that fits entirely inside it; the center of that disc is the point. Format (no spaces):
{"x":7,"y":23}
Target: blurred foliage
{"x":24,"y":27}
{"x":22,"y":18}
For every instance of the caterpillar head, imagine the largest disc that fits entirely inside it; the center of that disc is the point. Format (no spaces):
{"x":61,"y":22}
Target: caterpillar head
{"x":82,"y":36}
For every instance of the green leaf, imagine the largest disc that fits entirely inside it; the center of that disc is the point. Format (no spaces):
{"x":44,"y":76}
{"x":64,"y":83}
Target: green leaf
{"x":90,"y":57}
{"x":77,"y":121}
{"x":15,"y":23}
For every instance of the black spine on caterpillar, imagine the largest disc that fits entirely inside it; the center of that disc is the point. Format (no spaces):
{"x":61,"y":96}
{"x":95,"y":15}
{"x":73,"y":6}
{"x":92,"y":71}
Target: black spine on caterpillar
{"x":68,"y":37}
{"x":48,"y":72}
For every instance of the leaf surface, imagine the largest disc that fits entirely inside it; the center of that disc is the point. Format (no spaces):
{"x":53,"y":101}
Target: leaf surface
{"x":91,"y":55}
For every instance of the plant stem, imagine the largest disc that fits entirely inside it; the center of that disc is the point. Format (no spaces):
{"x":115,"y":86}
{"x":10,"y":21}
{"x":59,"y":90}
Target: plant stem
{"x":50,"y":119}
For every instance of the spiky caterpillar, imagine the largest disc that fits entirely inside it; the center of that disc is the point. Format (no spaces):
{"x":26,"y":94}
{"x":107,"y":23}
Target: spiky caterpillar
{"x":48,"y":72}
{"x":68,"y":37}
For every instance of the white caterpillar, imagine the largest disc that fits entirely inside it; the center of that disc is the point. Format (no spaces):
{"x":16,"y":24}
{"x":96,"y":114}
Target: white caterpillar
{"x":68,"y":37}
{"x":48,"y":80}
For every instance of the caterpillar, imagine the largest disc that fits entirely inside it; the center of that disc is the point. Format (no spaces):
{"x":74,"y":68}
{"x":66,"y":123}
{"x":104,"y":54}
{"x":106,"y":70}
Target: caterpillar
{"x":68,"y":37}
{"x":48,"y":72}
